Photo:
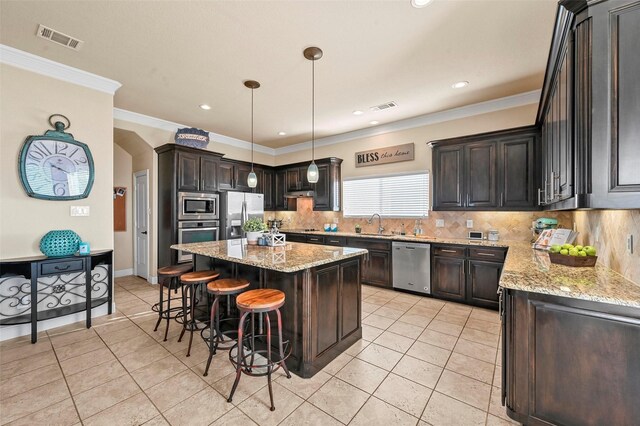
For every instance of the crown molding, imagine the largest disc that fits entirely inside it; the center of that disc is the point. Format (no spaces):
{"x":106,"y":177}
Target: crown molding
{"x":493,"y":105}
{"x":158,"y":123}
{"x":30,"y":62}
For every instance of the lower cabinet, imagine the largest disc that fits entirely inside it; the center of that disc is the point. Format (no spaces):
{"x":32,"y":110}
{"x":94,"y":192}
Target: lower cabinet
{"x":376,"y":268}
{"x":448,"y":278}
{"x":467,"y":274}
{"x":569,"y":362}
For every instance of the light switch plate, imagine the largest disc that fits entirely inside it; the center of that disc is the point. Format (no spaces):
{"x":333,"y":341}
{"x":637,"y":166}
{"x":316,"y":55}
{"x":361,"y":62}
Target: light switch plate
{"x":79,"y":210}
{"x":439,"y":223}
{"x":469,"y":223}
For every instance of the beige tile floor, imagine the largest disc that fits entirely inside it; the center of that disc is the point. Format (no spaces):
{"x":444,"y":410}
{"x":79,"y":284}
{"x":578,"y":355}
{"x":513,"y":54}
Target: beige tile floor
{"x":421,"y":362}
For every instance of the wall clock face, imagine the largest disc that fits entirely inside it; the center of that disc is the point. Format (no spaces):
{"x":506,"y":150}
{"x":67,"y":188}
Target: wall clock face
{"x":56,"y":166}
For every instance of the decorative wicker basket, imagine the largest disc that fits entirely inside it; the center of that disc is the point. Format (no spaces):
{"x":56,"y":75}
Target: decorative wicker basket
{"x":575,"y":261}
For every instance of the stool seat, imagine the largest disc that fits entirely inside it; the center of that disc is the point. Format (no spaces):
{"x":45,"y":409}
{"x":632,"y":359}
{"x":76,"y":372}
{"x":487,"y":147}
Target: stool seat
{"x":175,"y":270}
{"x":262,"y":299}
{"x":199,"y":277}
{"x":227,"y":286}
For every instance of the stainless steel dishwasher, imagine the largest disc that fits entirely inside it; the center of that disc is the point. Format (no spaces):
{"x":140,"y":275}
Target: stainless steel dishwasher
{"x":412,"y":267}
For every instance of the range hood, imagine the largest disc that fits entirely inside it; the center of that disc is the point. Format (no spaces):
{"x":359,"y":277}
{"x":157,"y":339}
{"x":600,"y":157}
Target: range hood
{"x":299,"y":194}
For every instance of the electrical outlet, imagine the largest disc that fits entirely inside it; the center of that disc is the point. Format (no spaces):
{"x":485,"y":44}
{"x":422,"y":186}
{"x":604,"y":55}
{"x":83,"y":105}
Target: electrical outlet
{"x":469,"y":223}
{"x":630,"y":243}
{"x":439,"y":223}
{"x":79,"y":211}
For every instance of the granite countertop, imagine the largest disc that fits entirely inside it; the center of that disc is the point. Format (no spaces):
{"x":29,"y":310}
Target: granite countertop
{"x":293,"y":257}
{"x":409,"y":238}
{"x":531,"y":270}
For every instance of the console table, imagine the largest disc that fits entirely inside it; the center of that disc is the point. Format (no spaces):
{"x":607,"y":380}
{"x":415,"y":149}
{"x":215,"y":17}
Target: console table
{"x":62,"y":285}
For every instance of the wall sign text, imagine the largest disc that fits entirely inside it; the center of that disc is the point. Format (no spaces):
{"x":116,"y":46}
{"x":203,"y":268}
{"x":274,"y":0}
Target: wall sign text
{"x":390,"y":154}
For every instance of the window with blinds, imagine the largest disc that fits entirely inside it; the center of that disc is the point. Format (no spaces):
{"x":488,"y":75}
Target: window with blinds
{"x":404,"y":195}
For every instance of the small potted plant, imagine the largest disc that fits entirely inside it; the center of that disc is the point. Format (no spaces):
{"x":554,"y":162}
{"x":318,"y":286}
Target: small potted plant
{"x":254,"y":227}
{"x":358,"y":229}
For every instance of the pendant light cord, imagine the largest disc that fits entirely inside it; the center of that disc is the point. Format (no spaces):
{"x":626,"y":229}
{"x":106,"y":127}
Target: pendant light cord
{"x":313,"y":109}
{"x":252,"y":129}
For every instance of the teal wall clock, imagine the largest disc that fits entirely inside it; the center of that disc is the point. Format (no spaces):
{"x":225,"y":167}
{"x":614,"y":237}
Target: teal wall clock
{"x":55,"y":166}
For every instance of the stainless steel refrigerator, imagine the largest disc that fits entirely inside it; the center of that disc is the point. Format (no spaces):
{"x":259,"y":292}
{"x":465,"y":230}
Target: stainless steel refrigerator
{"x":235,"y":209}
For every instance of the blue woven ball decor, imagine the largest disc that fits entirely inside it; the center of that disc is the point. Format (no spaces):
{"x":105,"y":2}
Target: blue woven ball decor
{"x":60,"y":243}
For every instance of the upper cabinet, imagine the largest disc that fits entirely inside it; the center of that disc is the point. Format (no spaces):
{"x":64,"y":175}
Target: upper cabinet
{"x":589,"y":108}
{"x":196,"y":172}
{"x":490,"y":171}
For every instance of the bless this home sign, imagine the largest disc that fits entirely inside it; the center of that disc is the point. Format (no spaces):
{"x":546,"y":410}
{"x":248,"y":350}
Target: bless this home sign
{"x":390,"y":154}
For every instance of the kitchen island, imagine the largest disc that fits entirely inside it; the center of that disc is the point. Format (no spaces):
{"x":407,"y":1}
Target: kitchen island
{"x":322,"y":313}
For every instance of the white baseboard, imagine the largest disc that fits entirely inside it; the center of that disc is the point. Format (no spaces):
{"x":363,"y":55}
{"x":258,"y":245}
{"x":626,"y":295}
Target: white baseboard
{"x":123,"y":273}
{"x":12,"y":331}
{"x":152,"y":280}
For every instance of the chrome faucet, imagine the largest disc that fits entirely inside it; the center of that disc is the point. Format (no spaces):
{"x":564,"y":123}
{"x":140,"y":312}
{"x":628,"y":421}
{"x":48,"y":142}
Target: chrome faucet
{"x":380,"y":227}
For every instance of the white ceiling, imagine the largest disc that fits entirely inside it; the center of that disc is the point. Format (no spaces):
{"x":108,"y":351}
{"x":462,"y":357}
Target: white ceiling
{"x":172,"y":56}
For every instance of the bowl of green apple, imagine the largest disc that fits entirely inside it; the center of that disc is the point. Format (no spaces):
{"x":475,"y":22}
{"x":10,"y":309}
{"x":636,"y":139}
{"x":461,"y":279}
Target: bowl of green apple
{"x":570,"y":255}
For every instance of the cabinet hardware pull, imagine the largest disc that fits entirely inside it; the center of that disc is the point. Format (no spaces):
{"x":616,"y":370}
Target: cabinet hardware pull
{"x":501,"y":199}
{"x":486,"y":254}
{"x":58,"y":268}
{"x":539,"y":196}
{"x":448,"y":251}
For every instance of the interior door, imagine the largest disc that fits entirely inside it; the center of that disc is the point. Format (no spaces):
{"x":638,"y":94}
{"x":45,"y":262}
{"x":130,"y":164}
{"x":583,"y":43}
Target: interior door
{"x":141,"y":260}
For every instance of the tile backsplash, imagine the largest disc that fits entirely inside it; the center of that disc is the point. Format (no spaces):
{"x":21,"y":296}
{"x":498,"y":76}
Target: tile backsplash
{"x":511,"y":225}
{"x":607,"y":231}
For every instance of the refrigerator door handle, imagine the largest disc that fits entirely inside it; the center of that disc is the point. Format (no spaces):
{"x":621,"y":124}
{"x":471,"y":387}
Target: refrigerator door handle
{"x":243,"y":216}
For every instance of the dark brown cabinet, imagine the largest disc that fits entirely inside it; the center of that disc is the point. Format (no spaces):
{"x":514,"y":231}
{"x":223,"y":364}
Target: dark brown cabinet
{"x":326,"y":191}
{"x":267,"y":186}
{"x":208,"y":174}
{"x":188,"y":172}
{"x":297,"y":179}
{"x":226,"y":176}
{"x":280,"y":202}
{"x":490,"y":171}
{"x":569,"y":362}
{"x":376,"y":268}
{"x":242,"y":175}
{"x":589,"y":108}
{"x":467,"y":274}
{"x":448,"y":278}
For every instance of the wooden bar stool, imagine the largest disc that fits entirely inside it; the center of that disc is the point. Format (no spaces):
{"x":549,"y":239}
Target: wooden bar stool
{"x":252,"y":302}
{"x":219,"y":288}
{"x":169,"y":277}
{"x":190,"y":282}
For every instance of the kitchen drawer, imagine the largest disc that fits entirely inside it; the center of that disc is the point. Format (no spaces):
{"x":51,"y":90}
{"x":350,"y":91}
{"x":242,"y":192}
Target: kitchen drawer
{"x":448,"y":251}
{"x":295,"y":238}
{"x":65,"y":267}
{"x":369,"y":244}
{"x":488,"y":254}
{"x":315,"y":239}
{"x":335,"y":241}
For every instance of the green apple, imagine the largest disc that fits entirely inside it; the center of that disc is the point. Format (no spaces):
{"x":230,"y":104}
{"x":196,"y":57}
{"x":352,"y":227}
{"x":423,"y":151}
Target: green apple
{"x":555,"y":248}
{"x":582,"y":253}
{"x":567,"y":246}
{"x":591,"y":251}
{"x":564,"y":252}
{"x":579,"y":247}
{"x":573,"y":252}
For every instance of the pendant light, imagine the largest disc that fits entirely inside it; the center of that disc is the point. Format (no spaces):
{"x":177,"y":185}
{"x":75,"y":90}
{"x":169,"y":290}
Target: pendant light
{"x":313,"y":54}
{"x":252,"y":179}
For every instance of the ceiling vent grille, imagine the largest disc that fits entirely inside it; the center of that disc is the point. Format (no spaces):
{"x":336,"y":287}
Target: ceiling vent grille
{"x":59,"y":38}
{"x":384,"y":106}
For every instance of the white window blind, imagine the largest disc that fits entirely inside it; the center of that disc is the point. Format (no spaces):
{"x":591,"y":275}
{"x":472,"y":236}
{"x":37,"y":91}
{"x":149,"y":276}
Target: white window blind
{"x":392,"y":196}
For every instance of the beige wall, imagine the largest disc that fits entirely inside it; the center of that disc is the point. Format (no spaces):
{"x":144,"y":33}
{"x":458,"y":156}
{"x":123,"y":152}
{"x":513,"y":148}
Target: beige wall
{"x":420,"y":136}
{"x":27,"y":101}
{"x":607,"y":230}
{"x":123,"y":240}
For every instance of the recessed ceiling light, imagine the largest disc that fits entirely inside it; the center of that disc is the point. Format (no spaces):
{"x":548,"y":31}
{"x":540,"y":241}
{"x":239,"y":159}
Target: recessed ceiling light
{"x":420,"y":3}
{"x":374,"y":122}
{"x":357,"y":112}
{"x":282,"y":133}
{"x":205,"y":107}
{"x":460,"y":84}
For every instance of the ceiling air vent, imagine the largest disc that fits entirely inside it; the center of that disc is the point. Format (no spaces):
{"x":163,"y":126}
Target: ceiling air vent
{"x":384,"y":106}
{"x":58,"y":37}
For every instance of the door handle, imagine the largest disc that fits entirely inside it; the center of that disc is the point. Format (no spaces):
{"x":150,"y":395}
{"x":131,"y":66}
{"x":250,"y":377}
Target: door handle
{"x":144,"y":232}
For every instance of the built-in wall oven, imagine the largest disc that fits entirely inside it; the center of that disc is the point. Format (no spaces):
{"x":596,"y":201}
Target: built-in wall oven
{"x":198,"y":206}
{"x":196,"y":232}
